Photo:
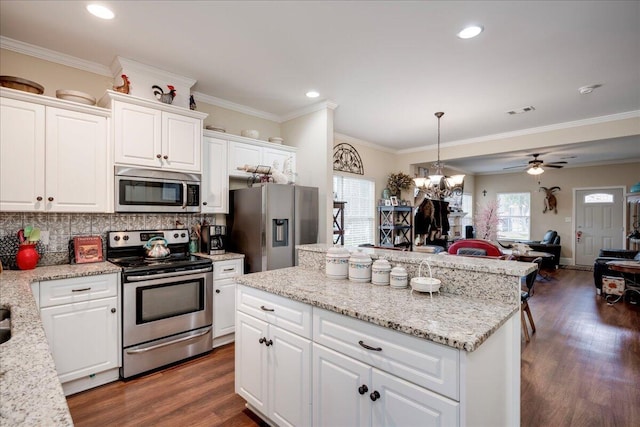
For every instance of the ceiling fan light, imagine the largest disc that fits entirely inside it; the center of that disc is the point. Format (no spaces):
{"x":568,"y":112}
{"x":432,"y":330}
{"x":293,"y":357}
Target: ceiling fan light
{"x":536,"y":170}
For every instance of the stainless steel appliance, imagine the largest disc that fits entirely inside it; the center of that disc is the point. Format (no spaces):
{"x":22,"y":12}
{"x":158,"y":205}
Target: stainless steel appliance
{"x":213,"y":239}
{"x":147,"y":190}
{"x":268,"y":220}
{"x":166,"y":302}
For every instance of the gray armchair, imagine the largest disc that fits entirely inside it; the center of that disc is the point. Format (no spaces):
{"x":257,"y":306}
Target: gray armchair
{"x":550,"y":243}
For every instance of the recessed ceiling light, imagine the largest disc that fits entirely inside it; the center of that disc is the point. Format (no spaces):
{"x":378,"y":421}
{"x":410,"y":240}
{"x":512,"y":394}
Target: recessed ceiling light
{"x":100,"y":11}
{"x":587,"y":89}
{"x":312,"y":94}
{"x":470,"y":32}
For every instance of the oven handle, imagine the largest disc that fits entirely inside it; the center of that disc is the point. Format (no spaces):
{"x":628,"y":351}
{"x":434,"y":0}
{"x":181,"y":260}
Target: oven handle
{"x":163,"y":275}
{"x":184,"y":195}
{"x":164,"y":344}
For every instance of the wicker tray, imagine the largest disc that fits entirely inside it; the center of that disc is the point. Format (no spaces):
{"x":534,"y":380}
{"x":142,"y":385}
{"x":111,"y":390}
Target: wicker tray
{"x":21,"y":84}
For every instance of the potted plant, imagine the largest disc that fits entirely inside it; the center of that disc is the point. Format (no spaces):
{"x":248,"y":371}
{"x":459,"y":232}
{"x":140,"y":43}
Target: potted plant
{"x":398,"y":182}
{"x":487,"y":221}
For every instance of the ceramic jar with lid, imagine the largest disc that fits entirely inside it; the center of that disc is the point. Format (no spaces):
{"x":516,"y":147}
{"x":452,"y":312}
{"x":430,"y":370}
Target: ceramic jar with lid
{"x":337,"y":263}
{"x":398,"y":277}
{"x":360,"y":267}
{"x":380,"y":272}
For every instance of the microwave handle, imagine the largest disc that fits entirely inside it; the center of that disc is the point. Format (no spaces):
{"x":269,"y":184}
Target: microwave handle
{"x":185,"y":196}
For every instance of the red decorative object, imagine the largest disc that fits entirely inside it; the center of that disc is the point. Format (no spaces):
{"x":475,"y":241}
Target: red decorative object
{"x":88,"y":249}
{"x":124,"y":87}
{"x":27,"y":258}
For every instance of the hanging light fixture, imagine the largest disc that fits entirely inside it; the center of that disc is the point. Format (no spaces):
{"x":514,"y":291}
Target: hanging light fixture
{"x":437,"y":186}
{"x":535,"y":170}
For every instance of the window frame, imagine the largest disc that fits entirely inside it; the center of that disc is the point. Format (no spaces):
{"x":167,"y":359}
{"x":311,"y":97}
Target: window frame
{"x":511,"y":237}
{"x":372,"y":208}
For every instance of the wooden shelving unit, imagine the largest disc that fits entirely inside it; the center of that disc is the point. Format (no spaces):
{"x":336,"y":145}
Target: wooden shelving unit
{"x":338,"y":222}
{"x":395,"y":226}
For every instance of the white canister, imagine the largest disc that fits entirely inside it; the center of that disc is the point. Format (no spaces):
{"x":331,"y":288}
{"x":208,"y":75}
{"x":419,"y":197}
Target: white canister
{"x":360,"y":267}
{"x":380,"y":272}
{"x":337,"y":263}
{"x":398,"y":277}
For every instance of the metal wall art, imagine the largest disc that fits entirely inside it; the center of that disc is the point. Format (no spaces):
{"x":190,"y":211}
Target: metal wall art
{"x":347,"y":159}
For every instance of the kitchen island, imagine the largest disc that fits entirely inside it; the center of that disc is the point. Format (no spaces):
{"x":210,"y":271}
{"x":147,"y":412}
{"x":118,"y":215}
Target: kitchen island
{"x":459,"y":350}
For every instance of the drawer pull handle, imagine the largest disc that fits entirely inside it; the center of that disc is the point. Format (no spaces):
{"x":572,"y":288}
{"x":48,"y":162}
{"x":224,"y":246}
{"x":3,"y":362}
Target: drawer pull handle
{"x":363,"y":389}
{"x":266,"y":309}
{"x":81,"y":290}
{"x":229,"y":269}
{"x":368,"y":347}
{"x":374,"y":396}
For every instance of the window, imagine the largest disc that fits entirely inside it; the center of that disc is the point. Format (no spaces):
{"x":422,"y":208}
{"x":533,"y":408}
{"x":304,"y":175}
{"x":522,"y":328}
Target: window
{"x":467,"y":206}
{"x":514,"y":215}
{"x":598,"y":198}
{"x":359,"y":211}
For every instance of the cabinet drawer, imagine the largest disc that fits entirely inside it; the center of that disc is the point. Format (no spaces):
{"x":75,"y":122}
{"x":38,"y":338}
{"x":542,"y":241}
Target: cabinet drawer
{"x":227,"y":269}
{"x":287,"y":314}
{"x":427,"y":364}
{"x":78,"y":289}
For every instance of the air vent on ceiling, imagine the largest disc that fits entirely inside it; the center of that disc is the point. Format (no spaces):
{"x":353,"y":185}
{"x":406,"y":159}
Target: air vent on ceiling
{"x":522,"y":110}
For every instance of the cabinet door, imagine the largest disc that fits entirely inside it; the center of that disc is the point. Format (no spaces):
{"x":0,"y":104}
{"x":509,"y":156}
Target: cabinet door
{"x":341,"y":388}
{"x":401,"y":403}
{"x":137,"y":135}
{"x":251,"y":361}
{"x":276,"y":158}
{"x":83,"y":337}
{"x":76,"y":161}
{"x":22,"y":152}
{"x":289,"y":378}
{"x":215,"y":179}
{"x":243,"y":154}
{"x":181,"y":142}
{"x":224,"y":303}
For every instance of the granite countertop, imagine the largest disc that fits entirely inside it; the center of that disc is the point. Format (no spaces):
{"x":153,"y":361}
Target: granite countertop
{"x":453,"y":320}
{"x":222,"y":257}
{"x":30,"y":392}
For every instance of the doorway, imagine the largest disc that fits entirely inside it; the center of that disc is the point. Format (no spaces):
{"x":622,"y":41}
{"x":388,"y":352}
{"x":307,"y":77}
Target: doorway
{"x":599,"y":222}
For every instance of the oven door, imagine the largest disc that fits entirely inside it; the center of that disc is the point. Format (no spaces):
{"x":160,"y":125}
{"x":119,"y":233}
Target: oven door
{"x":157,"y":308}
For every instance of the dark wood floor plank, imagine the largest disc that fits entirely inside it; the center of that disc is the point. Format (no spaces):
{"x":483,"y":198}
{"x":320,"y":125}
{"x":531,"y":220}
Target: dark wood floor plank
{"x":581,"y":368}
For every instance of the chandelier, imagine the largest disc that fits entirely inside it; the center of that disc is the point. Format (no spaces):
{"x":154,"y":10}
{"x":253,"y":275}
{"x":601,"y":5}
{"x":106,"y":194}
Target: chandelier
{"x":438,"y":186}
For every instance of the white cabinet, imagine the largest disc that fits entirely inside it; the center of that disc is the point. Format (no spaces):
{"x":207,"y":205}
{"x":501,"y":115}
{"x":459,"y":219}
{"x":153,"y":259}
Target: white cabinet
{"x":146,"y":136}
{"x":80,"y":317}
{"x":273,"y":361}
{"x":215,"y":178}
{"x":53,"y":159}
{"x":224,"y":299}
{"x":259,"y":153}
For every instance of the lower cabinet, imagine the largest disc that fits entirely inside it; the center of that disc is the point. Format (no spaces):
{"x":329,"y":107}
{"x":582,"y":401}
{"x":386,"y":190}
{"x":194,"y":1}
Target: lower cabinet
{"x":275,"y":373}
{"x":224,"y":300}
{"x":80,"y":317}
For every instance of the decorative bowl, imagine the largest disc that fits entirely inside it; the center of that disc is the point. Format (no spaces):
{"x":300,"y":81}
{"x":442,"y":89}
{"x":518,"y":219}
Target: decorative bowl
{"x":276,"y":140}
{"x":19,"y":83}
{"x":250,"y":134}
{"x":75,"y":96}
{"x":425,"y":284}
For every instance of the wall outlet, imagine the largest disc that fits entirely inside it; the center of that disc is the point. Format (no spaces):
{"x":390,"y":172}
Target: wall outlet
{"x":567,"y":219}
{"x":44,"y":237}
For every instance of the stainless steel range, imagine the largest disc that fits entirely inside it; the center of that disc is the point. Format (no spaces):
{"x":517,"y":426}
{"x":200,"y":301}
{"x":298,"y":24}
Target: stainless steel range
{"x":166,"y":301}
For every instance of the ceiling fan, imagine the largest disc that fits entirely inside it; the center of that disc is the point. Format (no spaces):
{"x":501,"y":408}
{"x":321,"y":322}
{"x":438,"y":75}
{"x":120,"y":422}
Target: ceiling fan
{"x":534,"y":167}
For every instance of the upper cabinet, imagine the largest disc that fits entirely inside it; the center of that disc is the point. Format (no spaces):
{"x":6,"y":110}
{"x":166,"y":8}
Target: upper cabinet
{"x":256,"y":153}
{"x":54,"y":155}
{"x":214,"y":191}
{"x":155,"y":135}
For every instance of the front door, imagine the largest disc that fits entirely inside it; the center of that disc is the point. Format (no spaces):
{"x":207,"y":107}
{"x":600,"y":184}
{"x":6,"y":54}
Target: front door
{"x":599,"y":222}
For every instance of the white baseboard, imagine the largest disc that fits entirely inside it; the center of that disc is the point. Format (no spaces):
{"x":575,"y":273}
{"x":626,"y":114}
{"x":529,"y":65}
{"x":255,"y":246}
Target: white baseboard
{"x":225,"y":339}
{"x":85,"y":383}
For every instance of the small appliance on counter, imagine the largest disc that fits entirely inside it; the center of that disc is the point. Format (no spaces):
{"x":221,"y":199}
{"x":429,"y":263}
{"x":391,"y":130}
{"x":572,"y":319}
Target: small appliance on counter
{"x":213,"y":239}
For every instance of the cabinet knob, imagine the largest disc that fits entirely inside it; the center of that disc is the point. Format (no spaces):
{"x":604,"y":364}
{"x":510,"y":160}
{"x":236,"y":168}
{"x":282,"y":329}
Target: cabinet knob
{"x":363,"y":389}
{"x":268,"y":343}
{"x":204,"y":203}
{"x":113,"y":310}
{"x":262,"y":340}
{"x":165,"y":157}
{"x":159,"y":156}
{"x":217,"y":291}
{"x":374,"y":396}
{"x":50,"y":199}
{"x":39,"y":198}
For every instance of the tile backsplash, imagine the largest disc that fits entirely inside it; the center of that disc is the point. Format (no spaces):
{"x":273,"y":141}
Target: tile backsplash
{"x":64,"y":226}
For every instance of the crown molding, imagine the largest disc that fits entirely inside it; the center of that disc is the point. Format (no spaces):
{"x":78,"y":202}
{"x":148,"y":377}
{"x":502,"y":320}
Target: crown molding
{"x":53,"y":56}
{"x":223,"y":103}
{"x":120,"y":63}
{"x":533,"y":131}
{"x":340,"y":137}
{"x":324,"y":105}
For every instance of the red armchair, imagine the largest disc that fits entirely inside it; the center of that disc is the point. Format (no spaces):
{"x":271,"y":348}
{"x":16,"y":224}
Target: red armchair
{"x":475,"y":247}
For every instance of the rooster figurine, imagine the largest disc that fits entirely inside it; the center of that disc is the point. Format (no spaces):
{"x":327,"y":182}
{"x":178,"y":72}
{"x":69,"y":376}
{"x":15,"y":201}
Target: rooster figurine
{"x":167,"y":98}
{"x":124,"y":87}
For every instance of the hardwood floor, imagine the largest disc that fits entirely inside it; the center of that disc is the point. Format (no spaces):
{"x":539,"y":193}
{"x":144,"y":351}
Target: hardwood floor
{"x":581,"y":368}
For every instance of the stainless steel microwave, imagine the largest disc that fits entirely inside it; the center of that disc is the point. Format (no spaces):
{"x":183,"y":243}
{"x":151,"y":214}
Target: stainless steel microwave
{"x":148,"y":190}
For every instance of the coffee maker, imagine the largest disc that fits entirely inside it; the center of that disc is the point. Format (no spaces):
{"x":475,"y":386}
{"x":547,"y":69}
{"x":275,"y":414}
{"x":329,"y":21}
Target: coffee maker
{"x":213,"y":239}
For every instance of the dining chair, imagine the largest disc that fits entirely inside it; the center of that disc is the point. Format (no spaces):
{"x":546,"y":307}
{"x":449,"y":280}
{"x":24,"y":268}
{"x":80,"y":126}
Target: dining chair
{"x":529,"y":283}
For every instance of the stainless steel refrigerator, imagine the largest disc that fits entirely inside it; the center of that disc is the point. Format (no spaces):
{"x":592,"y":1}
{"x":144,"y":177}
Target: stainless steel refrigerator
{"x":267,"y":221}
